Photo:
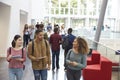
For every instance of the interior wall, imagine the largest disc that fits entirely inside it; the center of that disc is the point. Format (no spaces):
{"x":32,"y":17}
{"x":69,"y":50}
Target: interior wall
{"x":4,"y":27}
{"x":23,"y":20}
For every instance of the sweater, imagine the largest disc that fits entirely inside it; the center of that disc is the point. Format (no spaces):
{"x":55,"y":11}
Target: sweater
{"x":13,"y":63}
{"x":79,"y":58}
{"x":40,"y":50}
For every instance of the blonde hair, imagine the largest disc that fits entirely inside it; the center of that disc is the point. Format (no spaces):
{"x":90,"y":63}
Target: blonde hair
{"x":83,"y":46}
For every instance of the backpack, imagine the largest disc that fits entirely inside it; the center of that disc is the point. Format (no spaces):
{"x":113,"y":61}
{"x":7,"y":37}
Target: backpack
{"x":65,"y":43}
{"x":33,"y":46}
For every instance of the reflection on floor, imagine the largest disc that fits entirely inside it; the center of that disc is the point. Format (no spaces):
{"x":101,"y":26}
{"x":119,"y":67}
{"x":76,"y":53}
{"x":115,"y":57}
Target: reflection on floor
{"x":3,"y":69}
{"x":28,"y":73}
{"x":108,"y":38}
{"x":56,"y":75}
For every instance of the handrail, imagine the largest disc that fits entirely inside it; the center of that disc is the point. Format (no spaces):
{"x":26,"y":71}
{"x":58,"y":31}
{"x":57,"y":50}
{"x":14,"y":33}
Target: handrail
{"x":101,"y":44}
{"x":111,"y":55}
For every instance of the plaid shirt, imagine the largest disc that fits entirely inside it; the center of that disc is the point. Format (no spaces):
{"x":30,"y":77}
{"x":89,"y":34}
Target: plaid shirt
{"x":55,"y":40}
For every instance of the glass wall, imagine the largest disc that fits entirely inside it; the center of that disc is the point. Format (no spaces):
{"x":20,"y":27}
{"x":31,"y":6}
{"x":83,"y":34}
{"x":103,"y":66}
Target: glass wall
{"x":81,"y":13}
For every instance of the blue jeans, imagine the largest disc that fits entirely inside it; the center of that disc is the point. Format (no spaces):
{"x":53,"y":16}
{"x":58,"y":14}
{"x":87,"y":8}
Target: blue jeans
{"x":55,"y":56}
{"x":15,"y":73}
{"x":40,"y":73}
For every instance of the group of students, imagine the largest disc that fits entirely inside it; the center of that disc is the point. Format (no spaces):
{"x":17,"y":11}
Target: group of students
{"x":39,"y":53}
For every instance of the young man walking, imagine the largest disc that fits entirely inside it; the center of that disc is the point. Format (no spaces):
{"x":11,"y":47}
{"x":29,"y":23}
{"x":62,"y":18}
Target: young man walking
{"x":39,"y":54}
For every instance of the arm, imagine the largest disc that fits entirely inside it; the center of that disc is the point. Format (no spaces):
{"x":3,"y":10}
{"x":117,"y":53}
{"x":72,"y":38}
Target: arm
{"x":50,"y":40}
{"x":68,"y":61}
{"x":23,"y":58}
{"x":60,"y":41}
{"x":81,"y":64}
{"x":45,"y":36}
{"x":9,"y":56}
{"x":48,"y":55}
{"x":24,"y":55}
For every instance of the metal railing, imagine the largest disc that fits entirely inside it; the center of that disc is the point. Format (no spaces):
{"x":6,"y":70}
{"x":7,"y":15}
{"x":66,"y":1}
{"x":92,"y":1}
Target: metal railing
{"x":110,"y":54}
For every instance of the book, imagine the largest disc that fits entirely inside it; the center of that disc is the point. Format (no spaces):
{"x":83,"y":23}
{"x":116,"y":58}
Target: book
{"x":16,"y":56}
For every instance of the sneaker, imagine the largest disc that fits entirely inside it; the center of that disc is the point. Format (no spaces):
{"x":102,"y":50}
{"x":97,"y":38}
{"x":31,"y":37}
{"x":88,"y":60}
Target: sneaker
{"x":65,"y":70}
{"x":57,"y":67}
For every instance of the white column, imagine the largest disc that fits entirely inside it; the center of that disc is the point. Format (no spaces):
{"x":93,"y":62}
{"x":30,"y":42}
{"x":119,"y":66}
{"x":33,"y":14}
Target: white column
{"x":100,"y":22}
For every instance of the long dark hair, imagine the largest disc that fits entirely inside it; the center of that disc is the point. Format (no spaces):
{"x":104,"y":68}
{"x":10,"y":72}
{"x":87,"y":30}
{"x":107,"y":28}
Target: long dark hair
{"x":15,"y":39}
{"x":83,"y":46}
{"x":25,"y":27}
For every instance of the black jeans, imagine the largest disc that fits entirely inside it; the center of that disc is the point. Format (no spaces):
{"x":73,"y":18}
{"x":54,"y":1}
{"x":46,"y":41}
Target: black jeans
{"x":65,"y":53}
{"x":25,"y":40}
{"x":73,"y":74}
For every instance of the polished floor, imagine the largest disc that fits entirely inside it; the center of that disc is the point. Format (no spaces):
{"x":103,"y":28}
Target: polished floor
{"x":28,"y":73}
{"x":108,"y":38}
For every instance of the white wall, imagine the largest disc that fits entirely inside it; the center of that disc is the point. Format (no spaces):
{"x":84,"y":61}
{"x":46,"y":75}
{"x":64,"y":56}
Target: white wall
{"x":4,"y":26}
{"x":14,"y":22}
{"x":39,"y":9}
{"x":23,"y":20}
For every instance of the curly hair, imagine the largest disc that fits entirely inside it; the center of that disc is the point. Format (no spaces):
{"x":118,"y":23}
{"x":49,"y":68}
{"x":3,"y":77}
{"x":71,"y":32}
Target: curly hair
{"x":83,"y":46}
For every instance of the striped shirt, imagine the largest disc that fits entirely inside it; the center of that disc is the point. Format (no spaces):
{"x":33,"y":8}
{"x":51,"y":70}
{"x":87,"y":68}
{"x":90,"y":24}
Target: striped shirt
{"x":13,"y":63}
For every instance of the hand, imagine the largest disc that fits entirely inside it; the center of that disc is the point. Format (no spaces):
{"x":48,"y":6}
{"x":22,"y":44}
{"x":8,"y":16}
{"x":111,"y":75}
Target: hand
{"x":70,"y":62}
{"x":48,"y":67}
{"x":37,"y":59}
{"x":9,"y":57}
{"x":74,"y":63}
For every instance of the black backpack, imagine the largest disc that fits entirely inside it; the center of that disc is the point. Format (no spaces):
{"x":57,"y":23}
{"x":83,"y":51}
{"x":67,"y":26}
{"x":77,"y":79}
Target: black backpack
{"x":65,"y":43}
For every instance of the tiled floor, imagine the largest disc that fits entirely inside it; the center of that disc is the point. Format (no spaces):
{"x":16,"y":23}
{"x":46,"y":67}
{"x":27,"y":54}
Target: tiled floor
{"x":56,"y":75}
{"x":110,"y":39}
{"x":28,"y":73}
